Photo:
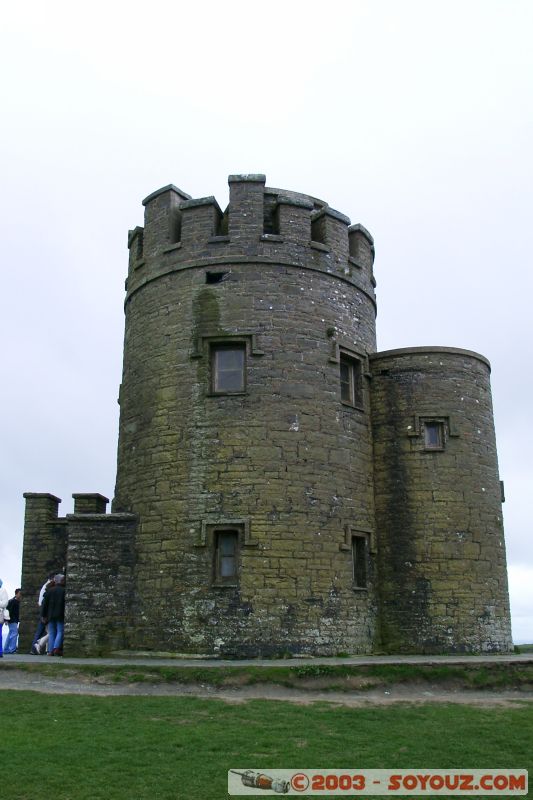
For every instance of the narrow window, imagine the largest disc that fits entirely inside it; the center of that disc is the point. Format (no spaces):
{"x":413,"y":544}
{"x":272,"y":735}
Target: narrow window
{"x":351,"y":381}
{"x":227,"y":368}
{"x":226,"y":550}
{"x":215,"y":277}
{"x":360,"y":561}
{"x":433,"y":435}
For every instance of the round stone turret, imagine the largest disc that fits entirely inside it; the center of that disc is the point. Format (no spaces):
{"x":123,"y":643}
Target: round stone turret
{"x":245,"y":443}
{"x":442,"y":566}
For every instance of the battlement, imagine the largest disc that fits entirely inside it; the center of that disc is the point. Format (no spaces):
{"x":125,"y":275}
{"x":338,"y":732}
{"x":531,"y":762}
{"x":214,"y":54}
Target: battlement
{"x":260,"y":225}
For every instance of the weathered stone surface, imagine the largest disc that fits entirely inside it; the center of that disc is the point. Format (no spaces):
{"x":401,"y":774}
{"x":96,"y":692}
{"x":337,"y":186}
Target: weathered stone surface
{"x":443,"y":582}
{"x":100,"y":600}
{"x":45,"y":551}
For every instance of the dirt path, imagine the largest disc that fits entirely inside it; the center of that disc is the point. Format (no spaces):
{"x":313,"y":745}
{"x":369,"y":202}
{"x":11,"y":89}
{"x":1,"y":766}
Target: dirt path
{"x":400,"y":693}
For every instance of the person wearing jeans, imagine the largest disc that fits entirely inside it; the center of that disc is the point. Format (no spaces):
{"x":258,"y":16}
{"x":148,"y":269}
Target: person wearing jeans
{"x":56,"y":632}
{"x":13,"y":607}
{"x":54,"y":615}
{"x":40,"y":631}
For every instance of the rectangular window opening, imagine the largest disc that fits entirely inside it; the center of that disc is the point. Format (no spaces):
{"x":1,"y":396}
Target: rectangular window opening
{"x":228,"y":363}
{"x":215,"y":277}
{"x":226,"y":555}
{"x":433,"y":435}
{"x":360,"y":561}
{"x":351,"y":378}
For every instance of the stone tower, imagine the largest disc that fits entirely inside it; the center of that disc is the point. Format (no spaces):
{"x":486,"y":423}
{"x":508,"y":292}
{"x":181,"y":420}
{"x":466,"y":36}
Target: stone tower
{"x":235,"y":448}
{"x":281,"y":487}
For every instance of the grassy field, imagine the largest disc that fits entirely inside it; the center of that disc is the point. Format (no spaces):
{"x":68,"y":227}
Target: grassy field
{"x":167,"y":748}
{"x":338,"y":677}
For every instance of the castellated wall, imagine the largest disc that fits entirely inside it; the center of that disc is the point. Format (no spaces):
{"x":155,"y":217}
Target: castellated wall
{"x":281,"y":487}
{"x":442,"y":567}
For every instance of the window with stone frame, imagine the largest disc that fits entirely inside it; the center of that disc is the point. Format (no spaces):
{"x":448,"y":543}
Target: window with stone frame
{"x":360,"y":561}
{"x":433,"y":434}
{"x":226,"y":553}
{"x":228,"y":367}
{"x":351,"y":380}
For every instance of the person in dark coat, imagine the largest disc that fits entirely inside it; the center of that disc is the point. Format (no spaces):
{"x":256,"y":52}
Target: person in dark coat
{"x":13,"y":607}
{"x":54,"y":615}
{"x":40,"y":631}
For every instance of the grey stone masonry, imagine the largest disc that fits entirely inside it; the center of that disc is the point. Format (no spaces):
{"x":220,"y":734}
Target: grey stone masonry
{"x":45,"y":551}
{"x":90,"y":503}
{"x":100,"y":603}
{"x":443,"y":580}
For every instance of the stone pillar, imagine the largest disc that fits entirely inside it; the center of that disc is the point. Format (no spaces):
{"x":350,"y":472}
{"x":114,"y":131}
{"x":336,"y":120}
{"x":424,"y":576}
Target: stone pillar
{"x":88,"y":503}
{"x":45,"y":551}
{"x":246,"y":208}
{"x":161,"y":218}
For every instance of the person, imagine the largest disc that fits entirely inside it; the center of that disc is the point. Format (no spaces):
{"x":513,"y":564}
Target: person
{"x":13,"y":607}
{"x":40,"y":631}
{"x":4,"y":599}
{"x":40,"y":646}
{"x":54,"y":615}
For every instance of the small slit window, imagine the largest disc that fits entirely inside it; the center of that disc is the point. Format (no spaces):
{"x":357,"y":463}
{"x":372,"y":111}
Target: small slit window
{"x":360,"y":561}
{"x":433,"y":435}
{"x":228,"y":368}
{"x":351,"y":381}
{"x":226,"y":554}
{"x":215,"y":277}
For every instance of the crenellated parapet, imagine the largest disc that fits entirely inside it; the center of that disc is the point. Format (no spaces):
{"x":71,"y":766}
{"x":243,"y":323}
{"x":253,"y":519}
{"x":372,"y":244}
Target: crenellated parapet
{"x":260,"y":225}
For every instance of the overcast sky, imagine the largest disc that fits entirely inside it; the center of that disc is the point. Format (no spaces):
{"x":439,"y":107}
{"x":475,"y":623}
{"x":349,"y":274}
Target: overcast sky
{"x":413,"y":118}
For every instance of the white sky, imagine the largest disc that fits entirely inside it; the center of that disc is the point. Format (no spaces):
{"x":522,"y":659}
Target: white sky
{"x":413,"y":118}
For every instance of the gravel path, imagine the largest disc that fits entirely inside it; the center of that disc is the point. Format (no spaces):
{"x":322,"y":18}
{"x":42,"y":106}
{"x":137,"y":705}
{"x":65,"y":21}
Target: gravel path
{"x":18,"y":680}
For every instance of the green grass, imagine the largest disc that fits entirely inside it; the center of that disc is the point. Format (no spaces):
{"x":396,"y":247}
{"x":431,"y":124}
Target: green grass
{"x":168,"y":748}
{"x":338,"y":677}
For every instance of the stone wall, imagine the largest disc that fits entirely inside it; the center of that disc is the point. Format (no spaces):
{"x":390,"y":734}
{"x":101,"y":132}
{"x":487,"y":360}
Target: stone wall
{"x":442,"y":567}
{"x":100,"y":598}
